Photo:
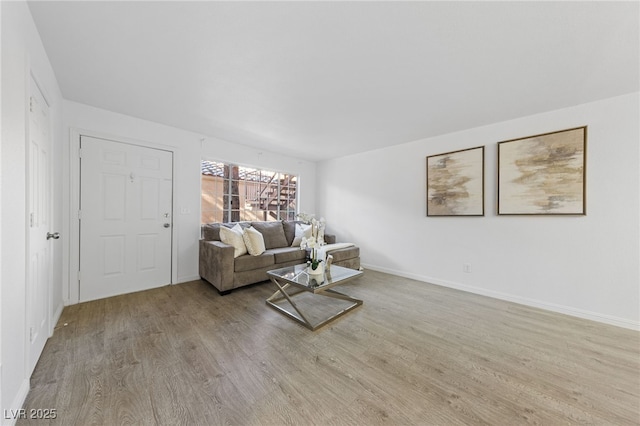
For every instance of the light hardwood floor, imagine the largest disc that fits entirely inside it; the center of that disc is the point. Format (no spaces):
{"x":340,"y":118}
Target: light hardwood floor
{"x":413,"y":354}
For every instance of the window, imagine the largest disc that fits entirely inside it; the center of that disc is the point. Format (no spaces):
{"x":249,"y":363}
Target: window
{"x":232,"y":193}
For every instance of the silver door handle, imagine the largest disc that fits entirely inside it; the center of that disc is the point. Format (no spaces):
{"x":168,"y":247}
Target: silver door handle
{"x":166,"y":225}
{"x":55,"y":235}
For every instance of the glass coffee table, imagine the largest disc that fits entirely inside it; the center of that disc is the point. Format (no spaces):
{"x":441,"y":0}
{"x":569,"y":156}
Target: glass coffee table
{"x":297,"y":278}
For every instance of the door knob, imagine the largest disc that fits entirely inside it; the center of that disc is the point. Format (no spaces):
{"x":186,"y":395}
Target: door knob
{"x":166,"y":225}
{"x":55,"y":235}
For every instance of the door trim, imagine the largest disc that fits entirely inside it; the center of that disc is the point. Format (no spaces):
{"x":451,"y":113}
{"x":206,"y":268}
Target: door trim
{"x":72,"y":292}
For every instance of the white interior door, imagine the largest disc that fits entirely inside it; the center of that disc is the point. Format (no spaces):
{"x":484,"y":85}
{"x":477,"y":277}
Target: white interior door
{"x":39,"y":221}
{"x":125,"y":218}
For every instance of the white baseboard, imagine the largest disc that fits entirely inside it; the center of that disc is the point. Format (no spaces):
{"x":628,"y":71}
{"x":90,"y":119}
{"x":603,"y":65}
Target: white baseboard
{"x":11,"y":414}
{"x":56,"y":317}
{"x":16,"y":405}
{"x":567,"y":310}
{"x":188,"y":279}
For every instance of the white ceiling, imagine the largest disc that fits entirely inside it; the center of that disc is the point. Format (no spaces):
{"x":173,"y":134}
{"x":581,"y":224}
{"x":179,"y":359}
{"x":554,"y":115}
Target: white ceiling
{"x":323,"y":79}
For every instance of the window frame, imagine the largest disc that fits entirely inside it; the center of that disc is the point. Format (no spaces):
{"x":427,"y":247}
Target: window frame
{"x":231,"y":173}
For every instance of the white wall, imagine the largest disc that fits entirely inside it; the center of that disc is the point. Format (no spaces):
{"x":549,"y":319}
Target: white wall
{"x":1,"y":258}
{"x":22,"y":54}
{"x":189,"y":148}
{"x":587,"y":266}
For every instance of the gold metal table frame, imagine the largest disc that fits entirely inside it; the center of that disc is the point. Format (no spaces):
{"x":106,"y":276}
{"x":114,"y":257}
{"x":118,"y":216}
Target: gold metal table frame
{"x":296,"y":277}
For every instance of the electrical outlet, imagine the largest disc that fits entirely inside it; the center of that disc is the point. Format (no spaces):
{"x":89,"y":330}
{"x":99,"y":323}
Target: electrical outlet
{"x":466,"y":267}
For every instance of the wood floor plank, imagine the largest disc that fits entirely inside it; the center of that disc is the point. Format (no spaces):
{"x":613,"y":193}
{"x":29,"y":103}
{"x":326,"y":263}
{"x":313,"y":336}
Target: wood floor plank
{"x":412,"y":354}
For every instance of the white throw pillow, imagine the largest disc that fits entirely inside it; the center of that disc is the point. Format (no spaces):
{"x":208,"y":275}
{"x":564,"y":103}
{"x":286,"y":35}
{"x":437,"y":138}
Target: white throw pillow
{"x":254,"y":241}
{"x":302,"y":231}
{"x":233,"y":237}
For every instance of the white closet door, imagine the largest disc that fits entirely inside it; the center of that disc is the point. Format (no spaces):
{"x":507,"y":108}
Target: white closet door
{"x":39,"y":200}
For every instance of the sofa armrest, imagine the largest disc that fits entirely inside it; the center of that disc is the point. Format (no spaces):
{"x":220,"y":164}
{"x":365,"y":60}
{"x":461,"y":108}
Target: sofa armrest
{"x":217,"y":264}
{"x":329,"y":238}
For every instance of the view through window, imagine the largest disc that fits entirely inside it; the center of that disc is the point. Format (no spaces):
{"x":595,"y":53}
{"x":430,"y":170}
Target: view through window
{"x":232,"y":193}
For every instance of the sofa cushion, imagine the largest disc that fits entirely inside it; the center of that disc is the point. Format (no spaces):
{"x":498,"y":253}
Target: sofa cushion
{"x":211,"y":231}
{"x":289,"y":227}
{"x":288,"y":254}
{"x":233,"y":237}
{"x":254,"y":241}
{"x":249,"y":263}
{"x":345,"y":253}
{"x":273,"y":233}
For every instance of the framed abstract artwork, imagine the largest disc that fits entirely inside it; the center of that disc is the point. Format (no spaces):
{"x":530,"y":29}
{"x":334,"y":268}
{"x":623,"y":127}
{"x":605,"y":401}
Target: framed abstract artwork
{"x":543,"y":174}
{"x":455,"y":183}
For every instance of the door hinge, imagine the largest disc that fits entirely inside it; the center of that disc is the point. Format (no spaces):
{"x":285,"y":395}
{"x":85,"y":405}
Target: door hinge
{"x":79,"y":214}
{"x":30,"y":334}
{"x":31,"y":219}
{"x":30,"y":103}
{"x":78,"y":275}
{"x":80,"y":153}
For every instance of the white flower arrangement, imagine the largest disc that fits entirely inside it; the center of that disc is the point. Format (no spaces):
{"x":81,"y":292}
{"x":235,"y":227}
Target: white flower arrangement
{"x":316,"y":240}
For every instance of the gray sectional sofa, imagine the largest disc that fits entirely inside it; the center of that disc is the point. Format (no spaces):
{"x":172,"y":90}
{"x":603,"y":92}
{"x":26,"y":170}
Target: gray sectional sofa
{"x":219,"y":267}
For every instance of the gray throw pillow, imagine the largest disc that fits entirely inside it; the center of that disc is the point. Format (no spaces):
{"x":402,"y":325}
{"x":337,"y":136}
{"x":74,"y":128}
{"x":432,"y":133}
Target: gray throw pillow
{"x":211,"y":232}
{"x":289,"y":230}
{"x":273,"y":233}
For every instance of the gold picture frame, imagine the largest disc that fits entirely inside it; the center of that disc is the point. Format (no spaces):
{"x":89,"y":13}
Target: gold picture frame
{"x":543,"y":174}
{"x":455,"y":183}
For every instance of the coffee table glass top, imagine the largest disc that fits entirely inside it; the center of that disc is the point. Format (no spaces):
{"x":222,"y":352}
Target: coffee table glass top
{"x":298,"y":276}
